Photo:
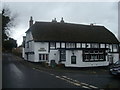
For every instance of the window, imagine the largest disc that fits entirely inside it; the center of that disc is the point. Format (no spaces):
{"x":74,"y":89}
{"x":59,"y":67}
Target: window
{"x":52,"y":45}
{"x":73,"y":59}
{"x":86,"y":51}
{"x":43,"y":56}
{"x":83,"y":45}
{"x":101,"y":57}
{"x":78,"y":45}
{"x":107,"y":46}
{"x":63,"y":45}
{"x":115,"y":48}
{"x":70,"y":45}
{"x":95,"y":45}
{"x":102,"y":45}
{"x":62,"y":55}
{"x":67,"y":45}
{"x":57,"y":45}
{"x":87,"y":57}
{"x":93,"y":55}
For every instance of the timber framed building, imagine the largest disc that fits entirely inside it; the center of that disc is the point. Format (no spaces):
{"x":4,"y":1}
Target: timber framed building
{"x":74,"y":45}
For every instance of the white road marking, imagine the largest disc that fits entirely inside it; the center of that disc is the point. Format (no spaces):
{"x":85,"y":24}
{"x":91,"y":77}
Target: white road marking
{"x":72,"y":81}
{"x":84,"y":84}
{"x":92,"y":86}
{"x":77,"y":83}
{"x":52,"y":74}
{"x":85,"y":87}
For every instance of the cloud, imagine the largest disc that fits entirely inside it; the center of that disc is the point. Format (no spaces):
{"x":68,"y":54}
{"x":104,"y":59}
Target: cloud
{"x":101,"y":13}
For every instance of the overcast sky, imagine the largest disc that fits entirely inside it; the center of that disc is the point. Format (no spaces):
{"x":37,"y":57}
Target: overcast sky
{"x":101,"y":13}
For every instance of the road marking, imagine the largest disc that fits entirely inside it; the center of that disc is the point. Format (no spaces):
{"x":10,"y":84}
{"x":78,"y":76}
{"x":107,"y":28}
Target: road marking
{"x":92,"y":86}
{"x":85,"y":87}
{"x":72,"y":81}
{"x":77,"y":83}
{"x":52,"y":74}
{"x":84,"y":84}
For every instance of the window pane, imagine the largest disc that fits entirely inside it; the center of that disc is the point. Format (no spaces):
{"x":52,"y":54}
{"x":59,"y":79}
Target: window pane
{"x":63,"y":55}
{"x":46,"y":56}
{"x":115,"y":47}
{"x":63,"y":45}
{"x":43,"y":56}
{"x":83,"y":45}
{"x":94,"y":55}
{"x":78,"y":45}
{"x":52,"y":44}
{"x":39,"y":56}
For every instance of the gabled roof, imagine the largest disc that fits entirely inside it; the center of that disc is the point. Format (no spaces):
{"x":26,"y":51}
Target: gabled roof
{"x":67,"y":32}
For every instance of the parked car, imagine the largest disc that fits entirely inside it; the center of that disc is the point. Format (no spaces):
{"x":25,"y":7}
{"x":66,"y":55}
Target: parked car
{"x":115,"y":69}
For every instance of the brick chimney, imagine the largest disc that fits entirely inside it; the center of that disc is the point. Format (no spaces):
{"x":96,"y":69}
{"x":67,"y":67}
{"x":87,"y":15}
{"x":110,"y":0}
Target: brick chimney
{"x":31,"y":21}
{"x":62,"y":21}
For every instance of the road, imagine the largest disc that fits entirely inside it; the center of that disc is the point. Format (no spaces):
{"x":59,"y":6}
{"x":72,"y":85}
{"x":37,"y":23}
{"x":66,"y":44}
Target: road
{"x":17,"y":75}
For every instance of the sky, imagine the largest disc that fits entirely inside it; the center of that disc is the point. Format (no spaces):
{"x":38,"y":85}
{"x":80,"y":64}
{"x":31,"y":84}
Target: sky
{"x":100,"y":13}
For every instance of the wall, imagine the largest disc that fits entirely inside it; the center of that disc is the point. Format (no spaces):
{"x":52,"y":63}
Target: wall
{"x":79,"y":60}
{"x":119,"y":20}
{"x":38,"y":46}
{"x":29,"y":40}
{"x":54,"y":55}
{"x":115,"y":56}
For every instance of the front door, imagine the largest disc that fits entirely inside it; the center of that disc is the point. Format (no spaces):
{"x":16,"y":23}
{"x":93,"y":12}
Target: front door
{"x":62,"y":55}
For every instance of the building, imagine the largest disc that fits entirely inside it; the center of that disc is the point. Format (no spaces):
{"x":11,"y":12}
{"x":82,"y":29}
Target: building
{"x":119,"y":20}
{"x":74,"y":45}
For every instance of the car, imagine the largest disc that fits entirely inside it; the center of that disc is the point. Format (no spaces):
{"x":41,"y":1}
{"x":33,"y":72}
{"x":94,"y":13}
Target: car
{"x":115,"y":69}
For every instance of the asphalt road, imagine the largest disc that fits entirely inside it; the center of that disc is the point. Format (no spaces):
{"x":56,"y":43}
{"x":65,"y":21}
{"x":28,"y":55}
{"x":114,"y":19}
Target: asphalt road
{"x":17,"y":75}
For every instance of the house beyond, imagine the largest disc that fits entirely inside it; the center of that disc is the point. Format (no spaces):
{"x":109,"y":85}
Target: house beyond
{"x":74,"y":45}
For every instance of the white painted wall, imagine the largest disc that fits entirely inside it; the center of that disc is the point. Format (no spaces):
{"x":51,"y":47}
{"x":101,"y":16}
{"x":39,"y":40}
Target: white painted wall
{"x":79,"y":60}
{"x":37,"y":47}
{"x":115,"y":57}
{"x":29,"y":36}
{"x":54,"y":55}
{"x":30,"y":48}
{"x":31,"y":57}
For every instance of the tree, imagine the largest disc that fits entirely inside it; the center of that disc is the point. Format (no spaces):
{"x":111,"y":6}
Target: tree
{"x":10,"y":44}
{"x":7,"y":22}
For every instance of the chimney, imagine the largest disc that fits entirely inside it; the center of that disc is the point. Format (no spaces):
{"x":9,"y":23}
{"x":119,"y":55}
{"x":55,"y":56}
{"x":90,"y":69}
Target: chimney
{"x":54,"y":20}
{"x":62,"y":21}
{"x":31,"y":21}
{"x":92,"y":24}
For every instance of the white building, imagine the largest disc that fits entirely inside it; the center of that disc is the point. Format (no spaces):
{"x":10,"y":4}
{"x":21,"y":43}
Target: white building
{"x":74,"y":45}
